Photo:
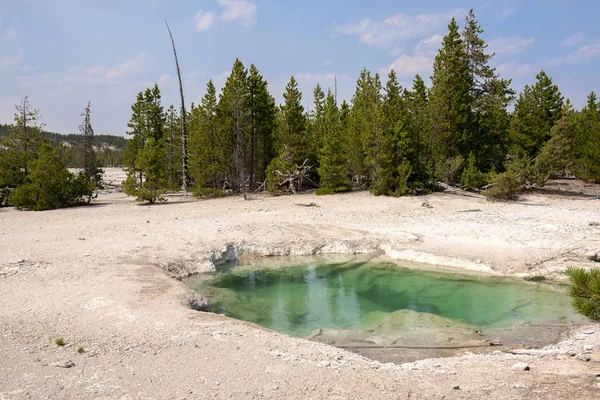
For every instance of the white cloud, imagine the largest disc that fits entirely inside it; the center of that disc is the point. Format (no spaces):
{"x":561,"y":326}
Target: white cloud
{"x":396,"y":51}
{"x":141,"y":63}
{"x":314,"y":78}
{"x":510,"y":46}
{"x":509,"y":7}
{"x":429,"y":46}
{"x":238,"y":10}
{"x":513,"y":69}
{"x":573,"y":40}
{"x":407,"y":65}
{"x":580,"y":56}
{"x":204,"y":20}
{"x":399,"y":27}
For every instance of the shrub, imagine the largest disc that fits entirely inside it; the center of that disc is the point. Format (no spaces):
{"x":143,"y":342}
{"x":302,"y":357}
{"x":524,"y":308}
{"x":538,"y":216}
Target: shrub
{"x":50,"y":185}
{"x":449,"y":169}
{"x":472,"y":177}
{"x":81,"y":350}
{"x":585,"y":291}
{"x":60,"y":342}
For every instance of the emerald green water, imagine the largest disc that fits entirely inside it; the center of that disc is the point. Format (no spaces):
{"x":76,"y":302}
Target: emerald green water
{"x":358,"y":295}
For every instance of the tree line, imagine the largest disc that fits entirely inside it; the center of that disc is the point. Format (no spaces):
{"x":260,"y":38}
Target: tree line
{"x":109,"y":148}
{"x":389,"y":139}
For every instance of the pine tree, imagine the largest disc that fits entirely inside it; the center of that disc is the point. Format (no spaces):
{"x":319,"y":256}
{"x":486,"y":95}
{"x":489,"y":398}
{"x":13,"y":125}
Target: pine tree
{"x":20,"y":148}
{"x":557,"y":153}
{"x":450,"y":103}
{"x":49,"y":184}
{"x":419,"y":132}
{"x":393,"y":145}
{"x":366,"y":133}
{"x":587,"y":141}
{"x":146,"y":154}
{"x":536,"y":111}
{"x":234,"y":120}
{"x":210,"y":146}
{"x":292,"y":124}
{"x":487,"y":135}
{"x":315,"y":127}
{"x":173,"y":147}
{"x":89,"y":163}
{"x":332,"y":160}
{"x":262,"y":110}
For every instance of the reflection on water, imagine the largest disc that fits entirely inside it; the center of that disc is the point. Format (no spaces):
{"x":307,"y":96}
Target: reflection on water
{"x":369,"y":296}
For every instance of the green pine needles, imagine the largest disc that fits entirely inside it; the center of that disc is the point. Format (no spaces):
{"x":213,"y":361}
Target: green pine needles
{"x":585,"y":291}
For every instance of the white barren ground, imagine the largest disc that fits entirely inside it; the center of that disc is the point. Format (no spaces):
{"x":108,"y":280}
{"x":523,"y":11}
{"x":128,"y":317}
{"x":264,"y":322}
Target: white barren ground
{"x":93,"y":276}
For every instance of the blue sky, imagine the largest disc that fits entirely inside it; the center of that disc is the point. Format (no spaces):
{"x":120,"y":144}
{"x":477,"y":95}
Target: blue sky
{"x":63,"y":53}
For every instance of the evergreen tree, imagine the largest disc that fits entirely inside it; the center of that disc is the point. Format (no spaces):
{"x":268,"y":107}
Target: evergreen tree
{"x":291,"y":132}
{"x":262,"y":110}
{"x":173,"y":147}
{"x":146,"y":154}
{"x":393,"y":145}
{"x":89,"y":163}
{"x":490,"y":95}
{"x":332,"y":160}
{"x":234,"y":120}
{"x":557,"y":153}
{"x":316,"y":127}
{"x":587,"y":142}
{"x":209,"y":159}
{"x":366,"y":134}
{"x":450,"y":103}
{"x":419,"y":131}
{"x":49,"y":184}
{"x":536,"y":111}
{"x":20,"y":148}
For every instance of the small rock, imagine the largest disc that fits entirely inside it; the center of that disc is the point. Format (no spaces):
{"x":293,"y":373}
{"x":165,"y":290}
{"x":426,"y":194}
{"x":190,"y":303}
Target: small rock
{"x":66,"y":364}
{"x":199,"y":304}
{"x":593,"y":256}
{"x":520,"y":367}
{"x":583,"y":357}
{"x":456,"y":387}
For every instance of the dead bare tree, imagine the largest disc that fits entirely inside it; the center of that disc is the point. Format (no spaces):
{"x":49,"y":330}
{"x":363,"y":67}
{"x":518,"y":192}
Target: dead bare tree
{"x":295,"y":179}
{"x":88,"y":159}
{"x":186,"y":177}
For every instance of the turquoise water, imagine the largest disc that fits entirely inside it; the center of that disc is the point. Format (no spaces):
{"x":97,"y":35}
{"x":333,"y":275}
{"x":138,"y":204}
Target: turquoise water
{"x":361,"y":295}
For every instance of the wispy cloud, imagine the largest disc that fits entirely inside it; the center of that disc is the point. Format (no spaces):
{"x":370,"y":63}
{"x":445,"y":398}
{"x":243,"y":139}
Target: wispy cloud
{"x":239,"y":10}
{"x":573,"y":40}
{"x":95,"y":75}
{"x":429,"y":46}
{"x":397,"y":28}
{"x":141,"y":63}
{"x":580,"y":56}
{"x":510,"y":46}
{"x":509,"y":7}
{"x":407,"y":65}
{"x":204,"y":20}
{"x":514,"y":69}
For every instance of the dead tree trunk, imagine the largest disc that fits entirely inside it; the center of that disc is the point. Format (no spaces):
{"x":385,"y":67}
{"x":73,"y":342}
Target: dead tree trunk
{"x":186,"y":178}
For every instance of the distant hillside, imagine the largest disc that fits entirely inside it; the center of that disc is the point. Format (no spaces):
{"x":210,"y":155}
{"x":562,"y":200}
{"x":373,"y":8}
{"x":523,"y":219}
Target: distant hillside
{"x":72,"y":139}
{"x":109,"y":148}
